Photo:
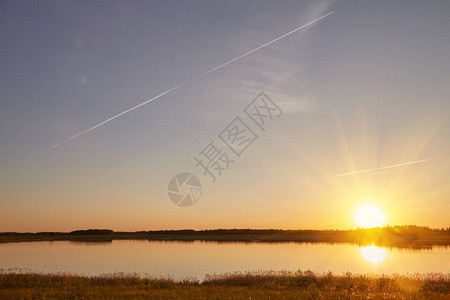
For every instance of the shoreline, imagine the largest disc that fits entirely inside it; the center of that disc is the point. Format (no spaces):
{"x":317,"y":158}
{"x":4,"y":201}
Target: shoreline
{"x":412,"y":237}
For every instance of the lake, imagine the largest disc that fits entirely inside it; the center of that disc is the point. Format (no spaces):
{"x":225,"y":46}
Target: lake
{"x":195,"y":259}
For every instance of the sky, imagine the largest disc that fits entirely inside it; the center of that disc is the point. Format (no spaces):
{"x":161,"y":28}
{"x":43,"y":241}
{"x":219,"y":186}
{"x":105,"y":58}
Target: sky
{"x":362,"y":89}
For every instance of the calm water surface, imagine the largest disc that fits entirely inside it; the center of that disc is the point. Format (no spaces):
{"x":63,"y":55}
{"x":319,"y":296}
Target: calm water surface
{"x":195,"y":259}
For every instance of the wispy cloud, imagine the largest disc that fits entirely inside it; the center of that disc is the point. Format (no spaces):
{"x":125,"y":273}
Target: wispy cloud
{"x":180,"y":85}
{"x":281,"y":70}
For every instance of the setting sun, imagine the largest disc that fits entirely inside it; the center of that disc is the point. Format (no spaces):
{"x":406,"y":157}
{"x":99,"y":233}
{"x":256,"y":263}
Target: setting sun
{"x":369,"y":216}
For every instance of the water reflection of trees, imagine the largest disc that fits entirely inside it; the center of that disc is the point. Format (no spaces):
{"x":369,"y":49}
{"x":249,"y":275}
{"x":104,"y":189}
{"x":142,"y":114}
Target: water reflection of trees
{"x":403,"y":237}
{"x":415,"y":248}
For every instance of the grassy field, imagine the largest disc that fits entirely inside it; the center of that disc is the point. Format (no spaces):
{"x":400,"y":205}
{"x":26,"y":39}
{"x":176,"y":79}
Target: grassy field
{"x":251,"y":285}
{"x":397,"y":236}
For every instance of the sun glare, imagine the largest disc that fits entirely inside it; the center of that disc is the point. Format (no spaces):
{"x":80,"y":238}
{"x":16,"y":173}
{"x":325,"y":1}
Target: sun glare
{"x":369,"y":216}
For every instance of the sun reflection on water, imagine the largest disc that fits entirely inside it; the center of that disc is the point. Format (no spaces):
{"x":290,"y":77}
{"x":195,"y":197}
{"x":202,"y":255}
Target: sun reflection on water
{"x":373,"y":254}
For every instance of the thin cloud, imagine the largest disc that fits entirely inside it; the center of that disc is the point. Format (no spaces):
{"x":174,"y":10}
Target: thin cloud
{"x":179,"y":85}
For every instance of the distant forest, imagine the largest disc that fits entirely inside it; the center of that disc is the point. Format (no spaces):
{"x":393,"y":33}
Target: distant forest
{"x":409,"y":236}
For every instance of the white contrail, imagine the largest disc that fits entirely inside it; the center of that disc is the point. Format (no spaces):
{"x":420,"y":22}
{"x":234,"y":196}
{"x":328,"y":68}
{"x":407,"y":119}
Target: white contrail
{"x":384,"y":168}
{"x":376,"y":173}
{"x":104,"y":122}
{"x":176,"y":87}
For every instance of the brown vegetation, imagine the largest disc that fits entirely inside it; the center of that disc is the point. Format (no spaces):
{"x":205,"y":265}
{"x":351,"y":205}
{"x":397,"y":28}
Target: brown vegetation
{"x":254,"y":285}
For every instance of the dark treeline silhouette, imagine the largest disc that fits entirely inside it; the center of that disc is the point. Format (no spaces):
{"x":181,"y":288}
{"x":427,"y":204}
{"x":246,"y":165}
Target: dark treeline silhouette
{"x":409,"y":236}
{"x":92,"y":232}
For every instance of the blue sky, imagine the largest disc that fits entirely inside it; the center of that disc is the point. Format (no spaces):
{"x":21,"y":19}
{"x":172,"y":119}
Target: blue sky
{"x":363,"y":88}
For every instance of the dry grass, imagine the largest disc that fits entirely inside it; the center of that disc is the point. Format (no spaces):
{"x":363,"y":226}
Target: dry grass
{"x":249,"y":285}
